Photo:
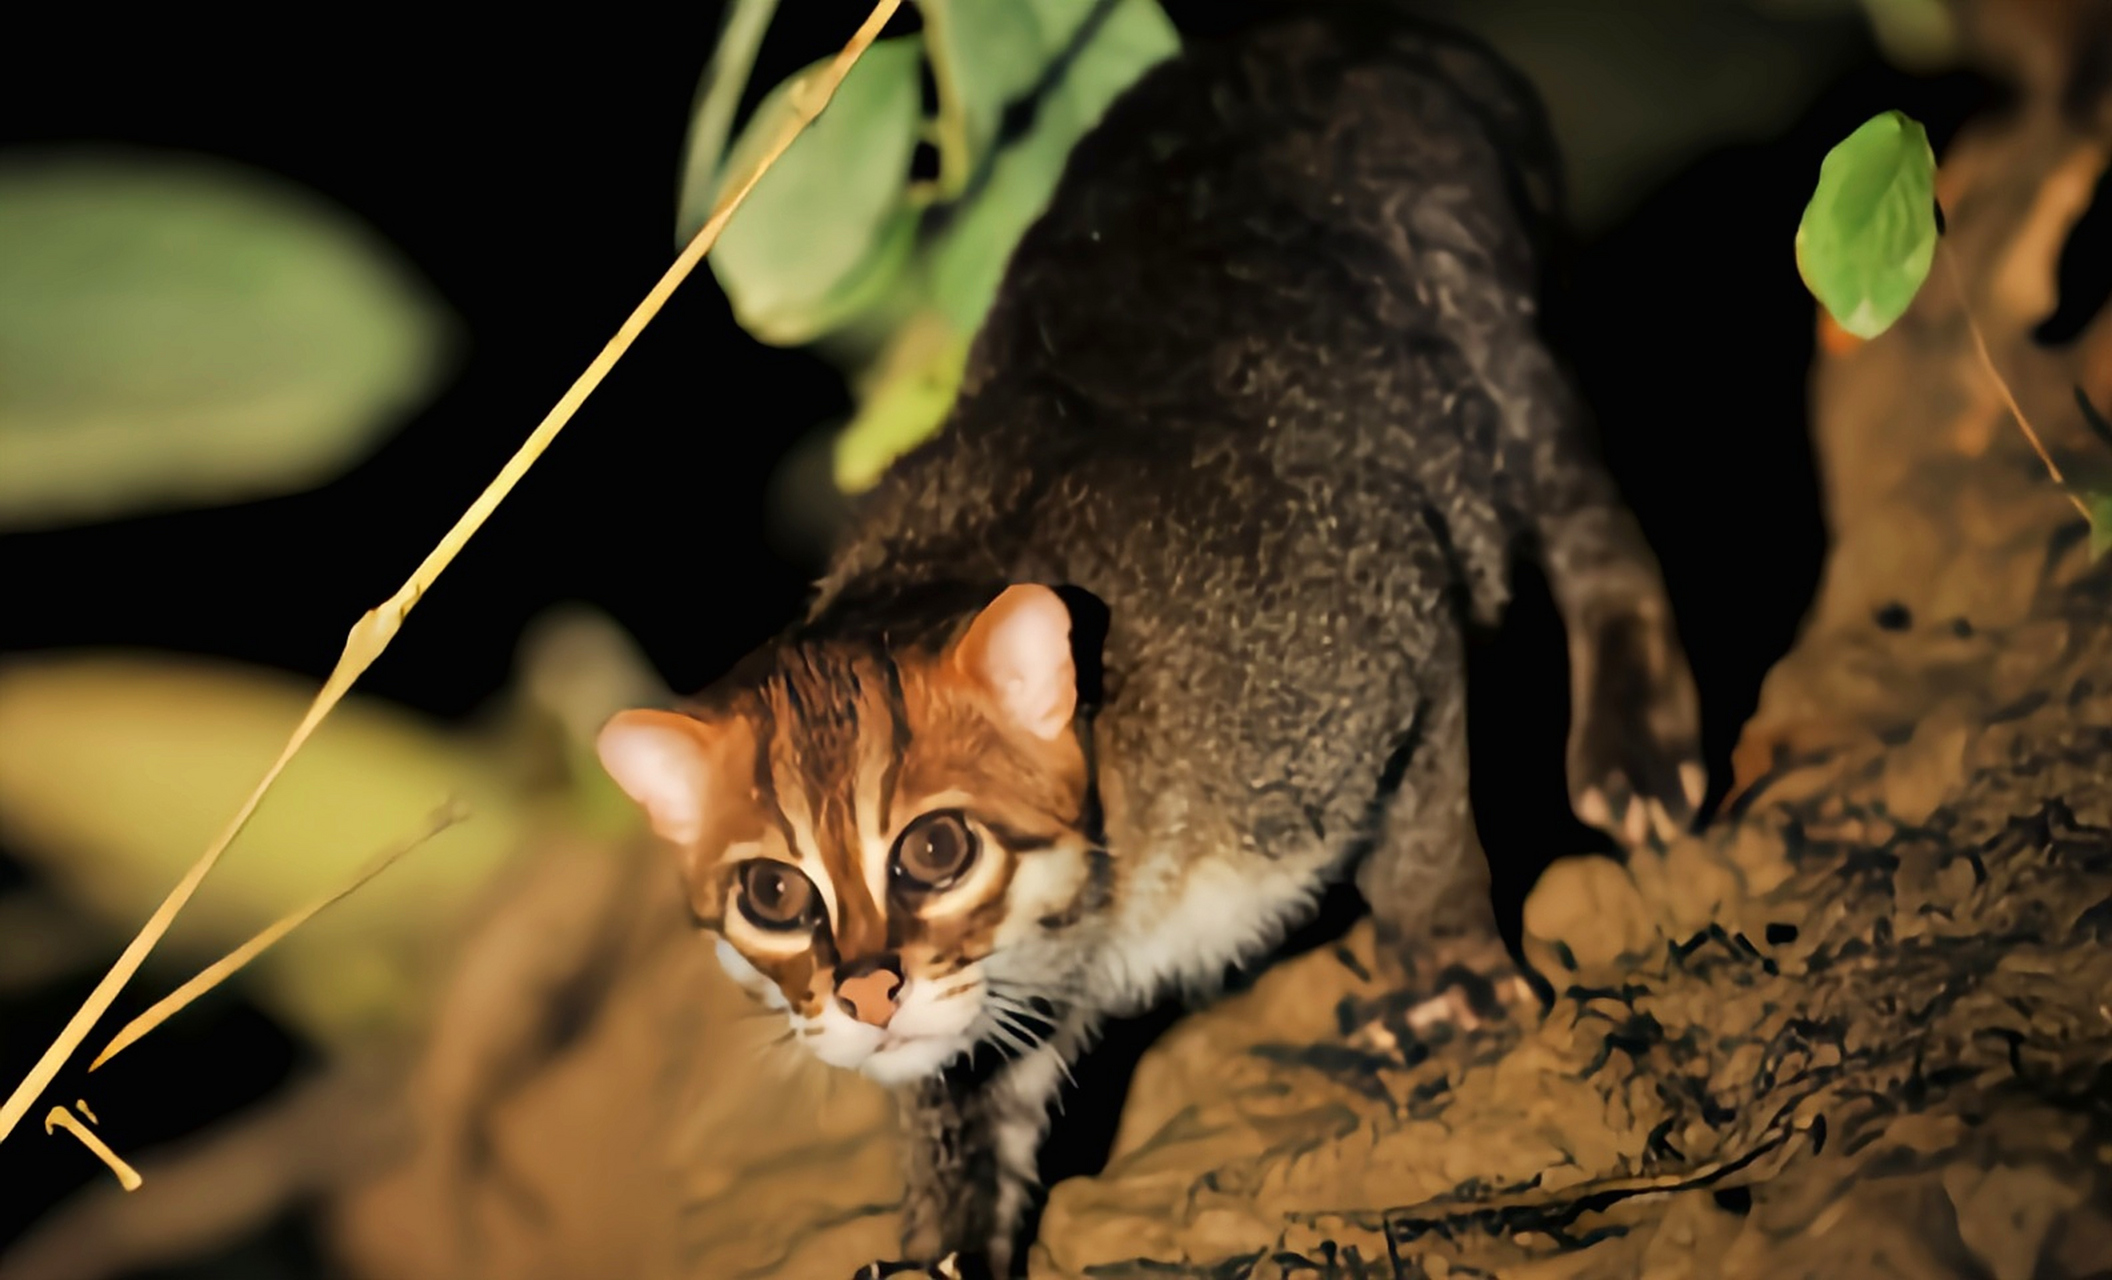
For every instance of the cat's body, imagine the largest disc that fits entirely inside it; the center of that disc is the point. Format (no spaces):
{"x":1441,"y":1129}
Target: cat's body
{"x":1263,"y":381}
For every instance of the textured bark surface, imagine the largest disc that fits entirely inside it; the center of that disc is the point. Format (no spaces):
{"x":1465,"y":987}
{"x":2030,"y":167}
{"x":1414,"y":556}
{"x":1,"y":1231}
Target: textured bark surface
{"x":1860,"y":1025}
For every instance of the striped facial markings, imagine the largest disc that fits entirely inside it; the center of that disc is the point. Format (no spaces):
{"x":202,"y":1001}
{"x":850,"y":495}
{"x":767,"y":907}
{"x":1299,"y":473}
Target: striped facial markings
{"x":851,"y":747}
{"x":886,"y":739}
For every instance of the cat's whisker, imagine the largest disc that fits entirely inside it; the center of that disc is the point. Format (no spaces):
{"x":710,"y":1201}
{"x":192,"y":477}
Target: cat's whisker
{"x":1007,"y":1039}
{"x":1026,"y":1017}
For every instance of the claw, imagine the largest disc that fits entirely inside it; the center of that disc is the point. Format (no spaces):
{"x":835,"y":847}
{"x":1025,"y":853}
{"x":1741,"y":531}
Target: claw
{"x":1662,"y":823}
{"x":1694,"y":781}
{"x":949,"y":1267}
{"x":1635,"y":823}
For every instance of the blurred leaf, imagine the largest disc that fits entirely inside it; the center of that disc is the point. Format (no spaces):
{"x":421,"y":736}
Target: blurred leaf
{"x":806,"y":512}
{"x":1869,"y":234}
{"x":115,"y":770}
{"x":833,"y":251}
{"x":718,"y":94}
{"x":906,"y":399}
{"x":2100,"y":505}
{"x":984,"y":54}
{"x":1738,"y":70}
{"x":1919,"y":35}
{"x":1129,"y":38}
{"x":175,"y":329}
{"x":997,"y":54}
{"x":42,"y":937}
{"x":574,"y":668}
{"x":828,"y":231}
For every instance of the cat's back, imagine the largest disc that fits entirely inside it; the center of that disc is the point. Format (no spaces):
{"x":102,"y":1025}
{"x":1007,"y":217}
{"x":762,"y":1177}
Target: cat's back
{"x":1263,"y":207}
{"x":1222,"y":390}
{"x":1227,"y":309}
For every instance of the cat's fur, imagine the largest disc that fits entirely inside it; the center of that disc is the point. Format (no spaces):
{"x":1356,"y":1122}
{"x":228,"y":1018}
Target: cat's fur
{"x":1263,"y":391}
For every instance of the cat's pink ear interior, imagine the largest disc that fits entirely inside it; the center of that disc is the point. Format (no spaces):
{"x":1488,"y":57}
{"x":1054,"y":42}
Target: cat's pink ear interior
{"x":1019,"y":649}
{"x":662,"y":760}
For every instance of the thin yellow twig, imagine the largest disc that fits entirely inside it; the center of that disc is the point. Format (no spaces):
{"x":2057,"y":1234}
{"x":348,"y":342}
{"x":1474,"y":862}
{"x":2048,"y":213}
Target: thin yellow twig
{"x":61,"y":1118}
{"x":374,"y":631}
{"x":226,"y":966}
{"x":1987,"y":359}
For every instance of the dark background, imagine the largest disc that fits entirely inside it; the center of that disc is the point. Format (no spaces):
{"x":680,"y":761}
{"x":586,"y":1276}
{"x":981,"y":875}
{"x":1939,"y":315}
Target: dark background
{"x":529,"y":170}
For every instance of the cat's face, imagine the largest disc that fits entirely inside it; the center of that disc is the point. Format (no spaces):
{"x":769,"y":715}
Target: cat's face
{"x":886,"y":845}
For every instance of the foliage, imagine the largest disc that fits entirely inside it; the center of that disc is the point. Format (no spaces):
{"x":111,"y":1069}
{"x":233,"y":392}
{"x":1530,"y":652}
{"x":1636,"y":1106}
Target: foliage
{"x":1865,"y":245}
{"x":115,"y":769}
{"x":181,"y":330}
{"x":1868,"y":237}
{"x":890,"y":276}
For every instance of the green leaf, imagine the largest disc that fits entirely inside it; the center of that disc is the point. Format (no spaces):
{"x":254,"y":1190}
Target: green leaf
{"x":828,"y":231}
{"x":984,"y":54}
{"x":1919,"y":35}
{"x":718,"y":95}
{"x":180,"y":330}
{"x":1869,"y":234}
{"x":116,"y":770}
{"x":2100,"y":504}
{"x":906,"y":398}
{"x":1128,"y":39}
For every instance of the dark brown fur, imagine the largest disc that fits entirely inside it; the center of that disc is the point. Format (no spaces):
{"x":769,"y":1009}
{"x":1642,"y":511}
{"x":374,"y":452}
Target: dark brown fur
{"x":1265,"y":381}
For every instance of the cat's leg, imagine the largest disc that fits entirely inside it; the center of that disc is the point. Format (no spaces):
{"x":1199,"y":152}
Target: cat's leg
{"x":1427,"y":883}
{"x":971,"y":1141}
{"x":1634,"y":732}
{"x":1635,"y":726}
{"x":1635,"y":720}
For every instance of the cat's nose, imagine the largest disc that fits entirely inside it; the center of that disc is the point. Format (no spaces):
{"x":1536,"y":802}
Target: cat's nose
{"x":867,"y":988}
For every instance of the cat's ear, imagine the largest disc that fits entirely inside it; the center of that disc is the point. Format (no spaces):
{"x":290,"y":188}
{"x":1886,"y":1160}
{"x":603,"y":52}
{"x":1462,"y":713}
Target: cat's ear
{"x":1019,"y":650}
{"x":665,"y":762}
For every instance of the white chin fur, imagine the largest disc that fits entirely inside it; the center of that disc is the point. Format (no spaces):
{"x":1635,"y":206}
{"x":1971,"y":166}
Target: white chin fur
{"x":907,"y":1061}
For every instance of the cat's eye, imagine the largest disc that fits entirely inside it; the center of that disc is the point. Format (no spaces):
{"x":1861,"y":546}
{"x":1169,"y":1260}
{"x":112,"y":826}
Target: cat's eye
{"x":775,"y":896}
{"x":934,"y":852}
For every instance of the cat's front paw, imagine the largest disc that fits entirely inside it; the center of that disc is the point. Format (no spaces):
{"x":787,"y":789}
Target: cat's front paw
{"x":1635,"y":745}
{"x":951,"y":1267}
{"x":1443,"y":988}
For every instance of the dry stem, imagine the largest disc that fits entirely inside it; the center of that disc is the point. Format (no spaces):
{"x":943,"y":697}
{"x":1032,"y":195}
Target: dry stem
{"x":228,"y":965}
{"x":1987,"y":359}
{"x":372,"y":634}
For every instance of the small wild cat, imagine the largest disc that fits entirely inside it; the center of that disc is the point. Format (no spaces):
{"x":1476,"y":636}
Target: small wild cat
{"x":1164,"y":628}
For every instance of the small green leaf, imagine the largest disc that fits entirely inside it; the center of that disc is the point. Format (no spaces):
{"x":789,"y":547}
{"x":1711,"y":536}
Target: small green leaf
{"x":2100,"y":504}
{"x":906,"y":398}
{"x":179,"y":330}
{"x":1869,"y":234}
{"x":116,"y":770}
{"x":984,"y":54}
{"x":711,"y":119}
{"x":1131,"y":37}
{"x":829,"y":230}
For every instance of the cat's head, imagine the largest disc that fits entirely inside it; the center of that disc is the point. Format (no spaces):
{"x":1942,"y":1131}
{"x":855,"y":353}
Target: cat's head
{"x":888,"y":841}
